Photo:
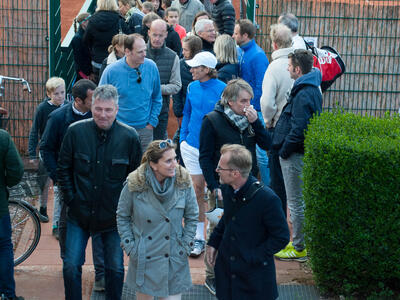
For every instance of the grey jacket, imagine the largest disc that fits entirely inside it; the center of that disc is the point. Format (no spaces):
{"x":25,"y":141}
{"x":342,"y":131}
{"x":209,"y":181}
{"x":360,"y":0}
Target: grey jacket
{"x":187,"y":12}
{"x":152,"y":234}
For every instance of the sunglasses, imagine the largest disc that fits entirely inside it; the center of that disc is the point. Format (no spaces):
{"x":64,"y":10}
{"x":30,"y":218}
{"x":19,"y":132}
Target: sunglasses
{"x":165,"y":144}
{"x":139,"y":79}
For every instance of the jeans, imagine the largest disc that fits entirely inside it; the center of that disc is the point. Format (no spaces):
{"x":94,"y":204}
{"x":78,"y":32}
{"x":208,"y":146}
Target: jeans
{"x":98,"y":256}
{"x":276,"y":178}
{"x":160,"y":132}
{"x":145,"y":136}
{"x":7,"y":283}
{"x":76,"y":242}
{"x":262,"y":158}
{"x":57,"y":206}
{"x":292,"y":168}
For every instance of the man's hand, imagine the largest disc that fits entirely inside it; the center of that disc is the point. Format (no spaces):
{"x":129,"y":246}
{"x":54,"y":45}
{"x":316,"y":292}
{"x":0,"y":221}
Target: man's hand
{"x":217,"y":194}
{"x":148,"y":126}
{"x":211,"y":255}
{"x":251,"y":114}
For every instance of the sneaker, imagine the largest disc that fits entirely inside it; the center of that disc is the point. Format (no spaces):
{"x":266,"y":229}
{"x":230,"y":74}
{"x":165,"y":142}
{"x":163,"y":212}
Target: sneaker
{"x":292,"y":255}
{"x":55,"y":233}
{"x":99,"y":285}
{"x":43,"y":217}
{"x":210,"y":285}
{"x":288,"y":246}
{"x":199,"y":247}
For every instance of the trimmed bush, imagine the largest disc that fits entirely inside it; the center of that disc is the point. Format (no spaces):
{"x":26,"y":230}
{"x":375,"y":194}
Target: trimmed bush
{"x":352,"y":197}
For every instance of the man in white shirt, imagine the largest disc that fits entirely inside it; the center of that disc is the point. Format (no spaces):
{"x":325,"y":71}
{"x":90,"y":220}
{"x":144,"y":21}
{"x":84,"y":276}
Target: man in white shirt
{"x":291,"y":21}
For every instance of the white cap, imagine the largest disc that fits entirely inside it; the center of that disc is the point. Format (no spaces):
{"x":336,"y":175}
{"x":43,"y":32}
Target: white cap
{"x":204,"y":58}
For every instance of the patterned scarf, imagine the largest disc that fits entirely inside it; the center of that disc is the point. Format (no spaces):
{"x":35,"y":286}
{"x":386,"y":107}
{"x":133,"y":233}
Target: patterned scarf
{"x":240,"y":121}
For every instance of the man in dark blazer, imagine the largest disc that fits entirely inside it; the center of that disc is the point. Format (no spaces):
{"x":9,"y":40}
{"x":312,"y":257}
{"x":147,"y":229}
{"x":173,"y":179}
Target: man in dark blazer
{"x":252,"y":229}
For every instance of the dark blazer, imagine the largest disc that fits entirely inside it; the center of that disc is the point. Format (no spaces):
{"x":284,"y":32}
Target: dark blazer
{"x":249,"y":233}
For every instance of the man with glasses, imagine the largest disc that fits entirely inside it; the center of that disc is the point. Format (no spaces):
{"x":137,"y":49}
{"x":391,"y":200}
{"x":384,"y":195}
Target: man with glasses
{"x":233,"y":121}
{"x":167,"y":63}
{"x":138,"y":83}
{"x":96,"y":156}
{"x":304,"y":101}
{"x":205,"y":30}
{"x":251,"y":230}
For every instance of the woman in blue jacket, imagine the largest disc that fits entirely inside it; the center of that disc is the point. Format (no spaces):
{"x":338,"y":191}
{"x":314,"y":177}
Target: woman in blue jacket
{"x":202,"y":95}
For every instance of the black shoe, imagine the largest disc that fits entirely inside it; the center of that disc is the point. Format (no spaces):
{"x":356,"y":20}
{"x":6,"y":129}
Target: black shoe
{"x":43,"y":217}
{"x":55,"y":233}
{"x":2,"y":297}
{"x":210,"y":285}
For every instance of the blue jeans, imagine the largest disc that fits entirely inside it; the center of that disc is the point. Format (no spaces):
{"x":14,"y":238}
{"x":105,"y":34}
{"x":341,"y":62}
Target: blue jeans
{"x":75,"y":246}
{"x":292,"y":169}
{"x":262,"y":158}
{"x":7,"y":283}
{"x":98,"y":256}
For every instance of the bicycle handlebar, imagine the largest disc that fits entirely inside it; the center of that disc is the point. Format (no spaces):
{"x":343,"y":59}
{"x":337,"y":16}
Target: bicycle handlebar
{"x":25,"y":83}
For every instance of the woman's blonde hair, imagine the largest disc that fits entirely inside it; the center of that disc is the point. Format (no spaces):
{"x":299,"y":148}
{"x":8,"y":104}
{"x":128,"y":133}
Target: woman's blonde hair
{"x":107,"y":5}
{"x":80,"y":19}
{"x":154,"y":152}
{"x":225,"y":49}
{"x":53,"y":83}
{"x":118,"y":39}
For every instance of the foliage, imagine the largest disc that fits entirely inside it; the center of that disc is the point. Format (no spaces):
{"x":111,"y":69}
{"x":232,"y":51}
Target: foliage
{"x":352,"y":197}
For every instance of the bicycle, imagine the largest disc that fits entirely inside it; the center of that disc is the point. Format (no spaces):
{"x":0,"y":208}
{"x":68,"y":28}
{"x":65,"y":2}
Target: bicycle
{"x":25,"y":218}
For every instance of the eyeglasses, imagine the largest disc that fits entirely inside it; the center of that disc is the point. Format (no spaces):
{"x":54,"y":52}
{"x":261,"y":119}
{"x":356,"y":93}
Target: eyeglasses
{"x":223,"y":169}
{"x":139,"y":80}
{"x":165,"y":144}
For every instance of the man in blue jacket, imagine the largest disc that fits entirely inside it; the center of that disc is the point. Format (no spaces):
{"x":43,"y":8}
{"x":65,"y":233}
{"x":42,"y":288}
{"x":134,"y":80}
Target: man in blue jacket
{"x":250,"y":231}
{"x":252,"y":66}
{"x":304,"y":101}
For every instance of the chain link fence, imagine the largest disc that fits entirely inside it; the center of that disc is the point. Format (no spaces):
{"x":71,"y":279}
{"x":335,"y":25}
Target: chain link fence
{"x":365,"y":33}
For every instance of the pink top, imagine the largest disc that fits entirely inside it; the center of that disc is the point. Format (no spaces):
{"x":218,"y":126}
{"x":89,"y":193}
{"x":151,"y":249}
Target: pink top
{"x":180,"y":30}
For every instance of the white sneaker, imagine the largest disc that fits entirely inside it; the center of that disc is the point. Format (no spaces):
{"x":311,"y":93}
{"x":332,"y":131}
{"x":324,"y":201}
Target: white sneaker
{"x":199,"y":247}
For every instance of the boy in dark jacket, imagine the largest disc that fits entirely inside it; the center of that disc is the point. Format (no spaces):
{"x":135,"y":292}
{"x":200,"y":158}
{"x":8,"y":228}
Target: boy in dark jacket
{"x":304,"y":101}
{"x":55,"y":91}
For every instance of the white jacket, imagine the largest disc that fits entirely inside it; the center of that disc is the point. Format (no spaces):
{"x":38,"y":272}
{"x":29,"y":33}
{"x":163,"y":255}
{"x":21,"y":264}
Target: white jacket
{"x":276,"y":87}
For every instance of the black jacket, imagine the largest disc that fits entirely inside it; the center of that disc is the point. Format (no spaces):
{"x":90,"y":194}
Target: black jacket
{"x":92,"y":168}
{"x":207,"y":46}
{"x":180,"y":98}
{"x":101,"y":28}
{"x":224,"y":16}
{"x":173,"y":41}
{"x":53,"y":135}
{"x":81,"y":54}
{"x":213,"y":135}
{"x":304,"y":101}
{"x":252,"y":229}
{"x":227,"y":71}
{"x":135,"y":23}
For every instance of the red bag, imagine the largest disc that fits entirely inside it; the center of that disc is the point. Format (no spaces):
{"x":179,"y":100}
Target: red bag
{"x":329,"y":62}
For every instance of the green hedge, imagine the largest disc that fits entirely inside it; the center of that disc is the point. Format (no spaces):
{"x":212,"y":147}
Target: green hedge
{"x":352,"y":197}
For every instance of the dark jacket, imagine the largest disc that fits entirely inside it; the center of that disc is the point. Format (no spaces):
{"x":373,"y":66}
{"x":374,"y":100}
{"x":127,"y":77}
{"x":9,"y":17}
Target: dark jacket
{"x":57,"y":126}
{"x":224,"y":16}
{"x":214,"y":134}
{"x":227,"y":71}
{"x":250,"y":232}
{"x":304,"y":101}
{"x":11,"y":169}
{"x":92,"y":167}
{"x":207,"y":46}
{"x":101,"y":28}
{"x":82,"y":60}
{"x":38,"y":125}
{"x":173,"y":41}
{"x":180,"y":98}
{"x":135,"y":23}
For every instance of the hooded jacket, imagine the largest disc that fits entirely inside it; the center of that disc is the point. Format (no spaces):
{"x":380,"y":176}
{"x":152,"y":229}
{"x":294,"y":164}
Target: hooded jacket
{"x":304,"y":101}
{"x":101,"y":28}
{"x":224,"y":15}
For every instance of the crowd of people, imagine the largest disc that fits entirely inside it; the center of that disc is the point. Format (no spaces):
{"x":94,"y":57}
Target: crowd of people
{"x":121,"y":180}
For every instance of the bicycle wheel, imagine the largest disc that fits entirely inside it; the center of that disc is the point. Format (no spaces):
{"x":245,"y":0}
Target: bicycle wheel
{"x":25,"y":230}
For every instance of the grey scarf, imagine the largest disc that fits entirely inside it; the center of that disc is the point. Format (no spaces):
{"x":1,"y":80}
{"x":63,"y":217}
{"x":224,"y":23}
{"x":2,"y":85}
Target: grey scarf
{"x":240,"y":121}
{"x":164,"y":192}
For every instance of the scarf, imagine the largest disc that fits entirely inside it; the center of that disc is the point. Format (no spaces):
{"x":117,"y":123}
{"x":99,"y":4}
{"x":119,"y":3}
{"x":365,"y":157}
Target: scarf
{"x":164,"y":192}
{"x":240,"y":121}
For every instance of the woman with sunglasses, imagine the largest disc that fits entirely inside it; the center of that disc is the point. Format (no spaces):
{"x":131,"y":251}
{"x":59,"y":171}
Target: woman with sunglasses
{"x":153,"y":203}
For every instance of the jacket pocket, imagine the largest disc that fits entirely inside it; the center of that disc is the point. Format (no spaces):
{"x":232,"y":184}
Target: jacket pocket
{"x":119,"y":168}
{"x":82,"y":163}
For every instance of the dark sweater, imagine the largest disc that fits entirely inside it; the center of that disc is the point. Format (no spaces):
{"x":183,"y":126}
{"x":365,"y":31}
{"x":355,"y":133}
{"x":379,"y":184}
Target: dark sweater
{"x":180,"y":98}
{"x":39,"y":124}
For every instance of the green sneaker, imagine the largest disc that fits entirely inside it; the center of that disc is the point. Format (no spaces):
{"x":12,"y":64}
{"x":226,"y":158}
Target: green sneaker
{"x":292,"y":255}
{"x":288,"y":246}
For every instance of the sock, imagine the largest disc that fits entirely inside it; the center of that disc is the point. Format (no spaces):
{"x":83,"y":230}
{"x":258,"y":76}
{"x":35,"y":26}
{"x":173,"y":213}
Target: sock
{"x":200,"y":231}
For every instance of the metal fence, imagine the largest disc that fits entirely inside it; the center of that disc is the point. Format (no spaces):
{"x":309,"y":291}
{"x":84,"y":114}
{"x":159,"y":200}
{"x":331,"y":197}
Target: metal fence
{"x":23,"y":53}
{"x":365,"y":33}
